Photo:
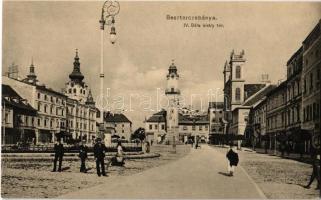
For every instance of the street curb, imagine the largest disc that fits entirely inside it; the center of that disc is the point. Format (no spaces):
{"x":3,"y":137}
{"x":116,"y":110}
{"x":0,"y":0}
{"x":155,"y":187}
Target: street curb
{"x":261,"y":193}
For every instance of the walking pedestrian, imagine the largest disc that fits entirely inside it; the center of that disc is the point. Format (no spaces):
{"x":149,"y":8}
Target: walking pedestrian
{"x":315,"y":172}
{"x":233,"y":159}
{"x":83,"y":156}
{"x":59,"y":153}
{"x":99,"y":153}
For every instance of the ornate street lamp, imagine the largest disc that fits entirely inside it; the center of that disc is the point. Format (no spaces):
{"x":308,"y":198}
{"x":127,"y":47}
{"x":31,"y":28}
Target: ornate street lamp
{"x":108,"y":12}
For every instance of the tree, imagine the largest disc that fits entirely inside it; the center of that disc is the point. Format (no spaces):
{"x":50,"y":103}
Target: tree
{"x":139,"y":134}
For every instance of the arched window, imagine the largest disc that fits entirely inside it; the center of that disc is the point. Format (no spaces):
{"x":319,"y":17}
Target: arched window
{"x":74,"y":90}
{"x":237,"y":94}
{"x":238,"y":72}
{"x":69,"y":91}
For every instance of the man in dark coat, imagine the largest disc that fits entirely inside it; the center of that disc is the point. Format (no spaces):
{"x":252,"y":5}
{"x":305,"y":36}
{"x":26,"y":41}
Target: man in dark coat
{"x":233,"y":159}
{"x":315,"y":172}
{"x":83,"y":156}
{"x":99,"y":153}
{"x":59,"y":153}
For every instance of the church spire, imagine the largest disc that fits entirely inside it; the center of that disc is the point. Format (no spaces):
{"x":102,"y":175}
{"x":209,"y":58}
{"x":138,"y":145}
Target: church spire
{"x":32,"y":77}
{"x":76,"y":75}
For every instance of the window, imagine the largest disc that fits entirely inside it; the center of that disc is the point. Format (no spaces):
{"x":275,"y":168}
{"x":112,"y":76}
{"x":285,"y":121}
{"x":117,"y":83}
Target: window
{"x":45,"y":108}
{"x":75,"y":90}
{"x":150,"y":127}
{"x":39,"y":95}
{"x":163,"y":127}
{"x":238,"y":72}
{"x":193,"y":128}
{"x":237,"y":94}
{"x":39,"y":106}
{"x":311,"y":82}
{"x":200,"y":128}
{"x":45,"y":97}
{"x":39,"y":121}
{"x":51,"y":99}
{"x":206,"y":127}
{"x":45,"y":123}
{"x":123,"y":131}
{"x":69,"y":91}
{"x":156,"y":126}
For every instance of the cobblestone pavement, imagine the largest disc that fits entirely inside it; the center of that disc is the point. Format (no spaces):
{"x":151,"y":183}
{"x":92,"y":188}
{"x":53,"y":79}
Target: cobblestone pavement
{"x":32,"y":178}
{"x":200,"y":174}
{"x":278,"y":178}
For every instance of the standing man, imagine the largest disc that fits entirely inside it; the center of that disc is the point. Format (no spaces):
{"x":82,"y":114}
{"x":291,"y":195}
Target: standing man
{"x":233,"y":159}
{"x":59,"y":153}
{"x":83,"y":156}
{"x":99,"y":153}
{"x":315,"y":170}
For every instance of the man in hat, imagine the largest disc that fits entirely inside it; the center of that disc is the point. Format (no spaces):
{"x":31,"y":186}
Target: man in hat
{"x":59,"y":153}
{"x":99,"y":153}
{"x":83,"y":156}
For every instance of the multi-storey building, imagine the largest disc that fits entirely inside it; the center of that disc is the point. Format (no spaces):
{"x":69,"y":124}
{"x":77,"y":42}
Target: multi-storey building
{"x":276,"y":114}
{"x":192,"y":127}
{"x":241,"y":116}
{"x":216,"y":122}
{"x":155,"y":127}
{"x":118,"y":124}
{"x":18,"y":118}
{"x":50,"y":123}
{"x":311,"y":78}
{"x":81,"y":110}
{"x":258,"y":121}
{"x":295,"y":137}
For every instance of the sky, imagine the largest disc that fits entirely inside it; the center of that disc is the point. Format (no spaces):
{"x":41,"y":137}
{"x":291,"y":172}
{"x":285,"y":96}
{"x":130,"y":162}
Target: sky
{"x":136,"y":65}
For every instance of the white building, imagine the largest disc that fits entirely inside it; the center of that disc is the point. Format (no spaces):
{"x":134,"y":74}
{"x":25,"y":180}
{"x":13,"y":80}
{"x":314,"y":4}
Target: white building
{"x":50,"y":104}
{"x":81,"y":112}
{"x":155,"y":127}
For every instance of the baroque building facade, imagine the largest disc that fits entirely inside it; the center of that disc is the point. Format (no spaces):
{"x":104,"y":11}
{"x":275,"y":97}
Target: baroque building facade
{"x":81,"y":110}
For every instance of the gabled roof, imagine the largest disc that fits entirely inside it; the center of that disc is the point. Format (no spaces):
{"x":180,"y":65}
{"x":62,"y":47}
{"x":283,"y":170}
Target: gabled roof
{"x":110,"y":117}
{"x":258,"y":96}
{"x":250,"y":89}
{"x":158,"y":117}
{"x":192,"y":120}
{"x":10,"y":98}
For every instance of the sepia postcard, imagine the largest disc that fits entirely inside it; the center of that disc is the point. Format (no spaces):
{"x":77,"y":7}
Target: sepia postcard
{"x":161,"y":99}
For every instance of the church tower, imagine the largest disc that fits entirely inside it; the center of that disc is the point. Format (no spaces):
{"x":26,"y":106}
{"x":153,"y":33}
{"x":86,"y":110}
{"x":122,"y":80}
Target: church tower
{"x":76,"y":88}
{"x":237,"y":80}
{"x":172,"y":92}
{"x":32,"y":77}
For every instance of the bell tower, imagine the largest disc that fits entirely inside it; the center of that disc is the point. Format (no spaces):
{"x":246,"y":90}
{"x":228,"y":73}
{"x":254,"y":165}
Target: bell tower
{"x":237,"y":61}
{"x":172,"y":92}
{"x":76,"y":88}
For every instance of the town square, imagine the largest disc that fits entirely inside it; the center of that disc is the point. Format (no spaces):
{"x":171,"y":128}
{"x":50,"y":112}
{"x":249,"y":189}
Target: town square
{"x":161,"y":100}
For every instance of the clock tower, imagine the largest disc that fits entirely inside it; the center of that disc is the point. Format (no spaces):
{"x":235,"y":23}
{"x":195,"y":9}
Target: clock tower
{"x":172,"y":92}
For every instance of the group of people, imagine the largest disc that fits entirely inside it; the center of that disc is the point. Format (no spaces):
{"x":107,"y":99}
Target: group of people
{"x":99,"y":154}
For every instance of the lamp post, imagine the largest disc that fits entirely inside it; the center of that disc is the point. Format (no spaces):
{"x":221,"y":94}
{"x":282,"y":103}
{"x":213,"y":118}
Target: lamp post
{"x":108,"y":12}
